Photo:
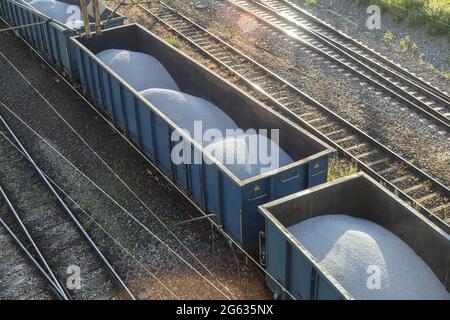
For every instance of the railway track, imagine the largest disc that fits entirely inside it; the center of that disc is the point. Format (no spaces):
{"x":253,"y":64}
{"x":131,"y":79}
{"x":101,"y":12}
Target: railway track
{"x":134,"y":223}
{"x":412,"y":184}
{"x":19,"y":279}
{"x":40,"y":263}
{"x":58,"y":241}
{"x":315,"y":36}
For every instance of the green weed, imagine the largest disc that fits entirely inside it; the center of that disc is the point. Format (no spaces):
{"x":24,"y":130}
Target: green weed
{"x":173,"y":42}
{"x":388,"y":36}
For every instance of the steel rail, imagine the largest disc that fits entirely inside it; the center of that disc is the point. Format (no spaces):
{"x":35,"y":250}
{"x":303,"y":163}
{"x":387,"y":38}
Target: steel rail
{"x":66,"y":208}
{"x":87,"y":214}
{"x":219,"y":228}
{"x":54,"y":287}
{"x":427,"y":87}
{"x":284,"y":109}
{"x":31,"y":241}
{"x":381,"y":82}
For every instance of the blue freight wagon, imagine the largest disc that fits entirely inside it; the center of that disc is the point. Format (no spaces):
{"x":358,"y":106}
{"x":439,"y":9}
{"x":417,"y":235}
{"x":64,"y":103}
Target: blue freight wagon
{"x":296,"y":269}
{"x":51,"y":38}
{"x":213,"y":187}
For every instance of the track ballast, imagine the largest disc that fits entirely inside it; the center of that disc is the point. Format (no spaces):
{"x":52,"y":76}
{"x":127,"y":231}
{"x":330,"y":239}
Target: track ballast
{"x":412,"y":184}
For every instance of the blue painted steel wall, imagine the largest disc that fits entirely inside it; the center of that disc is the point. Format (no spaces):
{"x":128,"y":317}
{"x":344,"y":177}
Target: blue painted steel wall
{"x":211,"y":188}
{"x":277,"y":186}
{"x":294,"y":271}
{"x":50,"y":39}
{"x":360,"y":196}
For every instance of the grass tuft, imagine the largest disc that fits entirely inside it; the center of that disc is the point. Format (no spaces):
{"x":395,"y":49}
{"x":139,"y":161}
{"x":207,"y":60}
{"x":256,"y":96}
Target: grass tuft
{"x":311,"y":2}
{"x":388,"y":36}
{"x":338,"y":169}
{"x":173,"y":42}
{"x":404,"y":44}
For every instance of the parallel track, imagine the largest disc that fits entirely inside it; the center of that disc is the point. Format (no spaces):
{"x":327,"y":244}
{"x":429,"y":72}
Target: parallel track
{"x":51,"y":229}
{"x":312,"y":35}
{"x":409,"y":182}
{"x":356,"y":48}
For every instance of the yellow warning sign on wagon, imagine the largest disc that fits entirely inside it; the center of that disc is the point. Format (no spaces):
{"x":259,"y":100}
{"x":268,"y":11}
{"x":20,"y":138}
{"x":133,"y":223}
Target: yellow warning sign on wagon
{"x":257,"y":188}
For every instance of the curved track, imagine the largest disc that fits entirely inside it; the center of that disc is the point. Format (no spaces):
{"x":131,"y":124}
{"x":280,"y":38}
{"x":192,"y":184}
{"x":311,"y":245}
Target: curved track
{"x":402,"y":177}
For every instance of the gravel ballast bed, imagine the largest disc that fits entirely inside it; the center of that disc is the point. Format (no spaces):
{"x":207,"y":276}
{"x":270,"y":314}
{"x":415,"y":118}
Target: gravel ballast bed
{"x":158,"y":195}
{"x":56,"y":236}
{"x":351,"y":19}
{"x":403,"y":130}
{"x":18,"y":278}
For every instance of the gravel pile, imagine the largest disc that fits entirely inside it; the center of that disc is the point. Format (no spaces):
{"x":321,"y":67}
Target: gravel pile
{"x":351,"y":248}
{"x":140,"y":70}
{"x":245,"y":155}
{"x":68,"y":14}
{"x":143,"y":71}
{"x":184,"y":109}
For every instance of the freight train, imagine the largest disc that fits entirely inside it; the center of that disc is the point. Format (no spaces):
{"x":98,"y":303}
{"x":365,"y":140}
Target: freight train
{"x":255,"y":212}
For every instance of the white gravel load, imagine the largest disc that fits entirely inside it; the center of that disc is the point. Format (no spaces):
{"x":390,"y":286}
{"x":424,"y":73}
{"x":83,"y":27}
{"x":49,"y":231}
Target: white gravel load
{"x":142,"y":71}
{"x":184,"y":109}
{"x":240,"y":153}
{"x":68,"y":14}
{"x":249,"y":155}
{"x":354,"y":251}
{"x":26,"y":3}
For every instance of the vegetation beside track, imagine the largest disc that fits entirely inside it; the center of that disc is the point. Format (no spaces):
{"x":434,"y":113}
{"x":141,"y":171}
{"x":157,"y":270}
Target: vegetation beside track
{"x":338,"y":168}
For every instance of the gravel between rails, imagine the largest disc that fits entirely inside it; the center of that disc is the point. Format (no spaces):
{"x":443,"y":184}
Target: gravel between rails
{"x":351,"y":18}
{"x":56,"y":236}
{"x":170,"y":206}
{"x":404,"y":131}
{"x":137,"y":14}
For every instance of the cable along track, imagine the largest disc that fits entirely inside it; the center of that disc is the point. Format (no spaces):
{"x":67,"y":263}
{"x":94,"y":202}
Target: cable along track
{"x":426,"y":194}
{"x":57,"y":241}
{"x":425,"y":99}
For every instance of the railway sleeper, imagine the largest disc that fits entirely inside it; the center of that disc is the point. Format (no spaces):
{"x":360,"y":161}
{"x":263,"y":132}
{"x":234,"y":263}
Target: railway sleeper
{"x":376,"y":163}
{"x":425,"y":199}
{"x":443,"y":208}
{"x":414,"y":188}
{"x":367,"y":154}
{"x":357,"y":147}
